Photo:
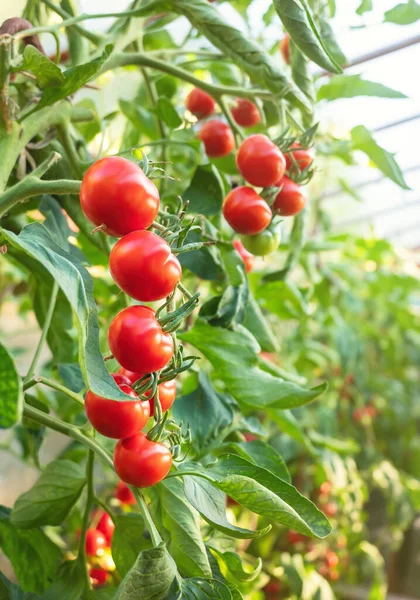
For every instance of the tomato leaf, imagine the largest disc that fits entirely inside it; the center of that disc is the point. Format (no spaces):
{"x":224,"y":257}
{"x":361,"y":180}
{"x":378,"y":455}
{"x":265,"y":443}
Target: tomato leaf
{"x":233,"y":562}
{"x":206,"y":191}
{"x":10,"y":591}
{"x":264,"y":455}
{"x":47,"y":73}
{"x":301,"y":72}
{"x":292,"y":305}
{"x":142,"y":119}
{"x":349,"y":86}
{"x":258,"y":325}
{"x":128,"y":541}
{"x":330,"y":42}
{"x":167,"y":113}
{"x":364,"y":6}
{"x":11,"y":394}
{"x":204,"y":589}
{"x":404,"y":13}
{"x":69,"y":582}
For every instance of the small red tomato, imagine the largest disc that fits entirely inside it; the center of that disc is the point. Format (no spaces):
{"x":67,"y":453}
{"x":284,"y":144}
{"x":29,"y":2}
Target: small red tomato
{"x":246,"y":113}
{"x":167,"y":395}
{"x":302,"y":157}
{"x":143,"y":266}
{"x":358,"y":414}
{"x":259,"y":161}
{"x":334,"y":575}
{"x":199,"y":103}
{"x":116,"y":419}
{"x":349,"y":379}
{"x":245,"y":211}
{"x":121,"y":379}
{"x":246,"y":256}
{"x":116,"y":194}
{"x":290,"y":199}
{"x":331,"y":559}
{"x":129,"y":375}
{"x":106,"y":526}
{"x":250,"y":437}
{"x":95,"y":542}
{"x":124,"y":494}
{"x":293,"y":537}
{"x":325,"y":488}
{"x":217,"y":138}
{"x":141,"y":462}
{"x":98,"y":576}
{"x":370,"y":411}
{"x":137,"y":341}
{"x":285,"y":48}
{"x":330,"y":509}
{"x":273,"y":587}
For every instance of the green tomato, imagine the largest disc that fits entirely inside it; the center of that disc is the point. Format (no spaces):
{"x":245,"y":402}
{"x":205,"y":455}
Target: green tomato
{"x":263,"y":243}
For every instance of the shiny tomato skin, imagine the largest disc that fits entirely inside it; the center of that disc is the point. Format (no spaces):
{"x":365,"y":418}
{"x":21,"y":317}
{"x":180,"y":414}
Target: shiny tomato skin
{"x":99,"y":576}
{"x":259,"y":161}
{"x":141,"y":462}
{"x":167,"y":395}
{"x":303,"y":157}
{"x":124,"y":494}
{"x":246,"y":113}
{"x":95,"y":542}
{"x":247,"y":257}
{"x":121,"y":379}
{"x":245,"y":211}
{"x":137,"y":341}
{"x":116,"y":194}
{"x":106,"y":527}
{"x":263,"y":243}
{"x":115,"y":419}
{"x":130,"y":375}
{"x":217,"y":138}
{"x":285,"y":48}
{"x":290,"y":200}
{"x":199,"y":103}
{"x":143,"y":266}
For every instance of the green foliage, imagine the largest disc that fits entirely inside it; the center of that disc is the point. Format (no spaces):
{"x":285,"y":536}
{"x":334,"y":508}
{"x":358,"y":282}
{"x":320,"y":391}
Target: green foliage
{"x":350,"y":86}
{"x":11,"y":391}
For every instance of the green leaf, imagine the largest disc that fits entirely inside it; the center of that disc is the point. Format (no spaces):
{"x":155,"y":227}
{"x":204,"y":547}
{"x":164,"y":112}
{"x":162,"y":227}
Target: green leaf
{"x":204,"y":589}
{"x":258,"y":325}
{"x":68,"y":583}
{"x":206,"y":191}
{"x":403,"y":14}
{"x":47,"y":73}
{"x":167,"y":113}
{"x":345,"y":446}
{"x":33,"y":555}
{"x":211,"y":504}
{"x":263,"y":455}
{"x":49,"y":501}
{"x":233,"y":354}
{"x":234,"y":564}
{"x":350,"y":86}
{"x":288,"y":423}
{"x":142,"y":119}
{"x":282,"y":298}
{"x":362,"y":140}
{"x":364,"y":6}
{"x":10,"y":591}
{"x":128,"y":541}
{"x":151,"y":576}
{"x":72,"y":376}
{"x":297,"y":19}
{"x":301,"y":72}
{"x":180,"y":524}
{"x":330,"y":42}
{"x":11,"y":394}
{"x":205,"y":263}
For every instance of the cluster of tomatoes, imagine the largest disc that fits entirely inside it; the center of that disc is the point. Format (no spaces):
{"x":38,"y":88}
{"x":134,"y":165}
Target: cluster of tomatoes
{"x":263,"y":165}
{"x":119,"y":199}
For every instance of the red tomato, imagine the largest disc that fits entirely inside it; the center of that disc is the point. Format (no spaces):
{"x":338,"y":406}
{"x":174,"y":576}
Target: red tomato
{"x":117,"y":419}
{"x":358,"y":414}
{"x":106,"y":527}
{"x":199,"y":103}
{"x":137,"y":341}
{"x":259,"y":161}
{"x":167,"y":395}
{"x":129,"y":375}
{"x":293,"y":537}
{"x":217,"y":138}
{"x":246,"y":256}
{"x":330,"y":509}
{"x":98,"y":576}
{"x":117,"y":194}
{"x":121,"y":379}
{"x":290,"y":199}
{"x":141,"y":462}
{"x":285,"y":48}
{"x":124,"y":494}
{"x":246,"y":113}
{"x":325,"y":488}
{"x":331,"y":559}
{"x":302,"y":157}
{"x":143,"y":266}
{"x":273,"y":587}
{"x":95,"y":542}
{"x":245,"y":211}
{"x":370,"y":411}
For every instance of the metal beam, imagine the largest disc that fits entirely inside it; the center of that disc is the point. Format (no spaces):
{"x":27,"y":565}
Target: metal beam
{"x":378,"y":213}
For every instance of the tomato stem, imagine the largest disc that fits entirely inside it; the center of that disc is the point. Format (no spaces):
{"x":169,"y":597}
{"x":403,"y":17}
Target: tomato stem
{"x":148,"y":521}
{"x":81,"y":557}
{"x":28,"y":383}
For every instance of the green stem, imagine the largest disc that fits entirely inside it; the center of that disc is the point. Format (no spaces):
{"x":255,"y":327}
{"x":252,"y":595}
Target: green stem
{"x":68,"y":20}
{"x":184,"y":290}
{"x":234,"y":126}
{"x":44,"y":332}
{"x":28,"y":383}
{"x":32,"y":186}
{"x":68,"y":145}
{"x":148,"y":521}
{"x":81,"y":557}
{"x":105,"y":507}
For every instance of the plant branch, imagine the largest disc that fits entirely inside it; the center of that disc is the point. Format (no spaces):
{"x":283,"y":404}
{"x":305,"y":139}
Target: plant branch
{"x":81,"y":557}
{"x":148,"y":521}
{"x":28,"y":383}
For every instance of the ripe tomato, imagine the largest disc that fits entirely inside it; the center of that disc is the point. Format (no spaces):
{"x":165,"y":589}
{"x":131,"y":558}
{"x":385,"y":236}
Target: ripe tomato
{"x":325,"y":488}
{"x":137,"y":341}
{"x":259,"y":161}
{"x":98,"y":576}
{"x":293,"y":537}
{"x":106,"y":527}
{"x":141,"y":462}
{"x":143,"y":266}
{"x":263,"y":243}
{"x":124,"y":494}
{"x":167,"y":395}
{"x":272,"y":587}
{"x":95,"y":542}
{"x":245,"y":211}
{"x":199,"y":103}
{"x":117,"y":194}
{"x":331,"y":559}
{"x":302,"y":157}
{"x":121,"y":379}
{"x":285,"y":48}
{"x":330,"y":509}
{"x":290,"y":200}
{"x":129,"y":375}
{"x":246,"y":256}
{"x":117,"y":419}
{"x":217,"y":138}
{"x":246,"y":113}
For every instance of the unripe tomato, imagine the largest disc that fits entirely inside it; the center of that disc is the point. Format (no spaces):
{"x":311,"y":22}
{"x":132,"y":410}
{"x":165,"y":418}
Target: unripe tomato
{"x":199,"y":103}
{"x":141,"y":462}
{"x":246,"y":113}
{"x":167,"y":395}
{"x":137,"y":341}
{"x":106,"y":527}
{"x":303,"y":157}
{"x":124,"y":494}
{"x":98,"y":576}
{"x":245,"y":211}
{"x":217,"y":138}
{"x":285,"y":48}
{"x":246,"y":256}
{"x":95,"y":542}
{"x":259,"y":161}
{"x":263,"y":243}
{"x":117,"y":194}
{"x":117,"y":419}
{"x":143,"y":266}
{"x":290,"y":200}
